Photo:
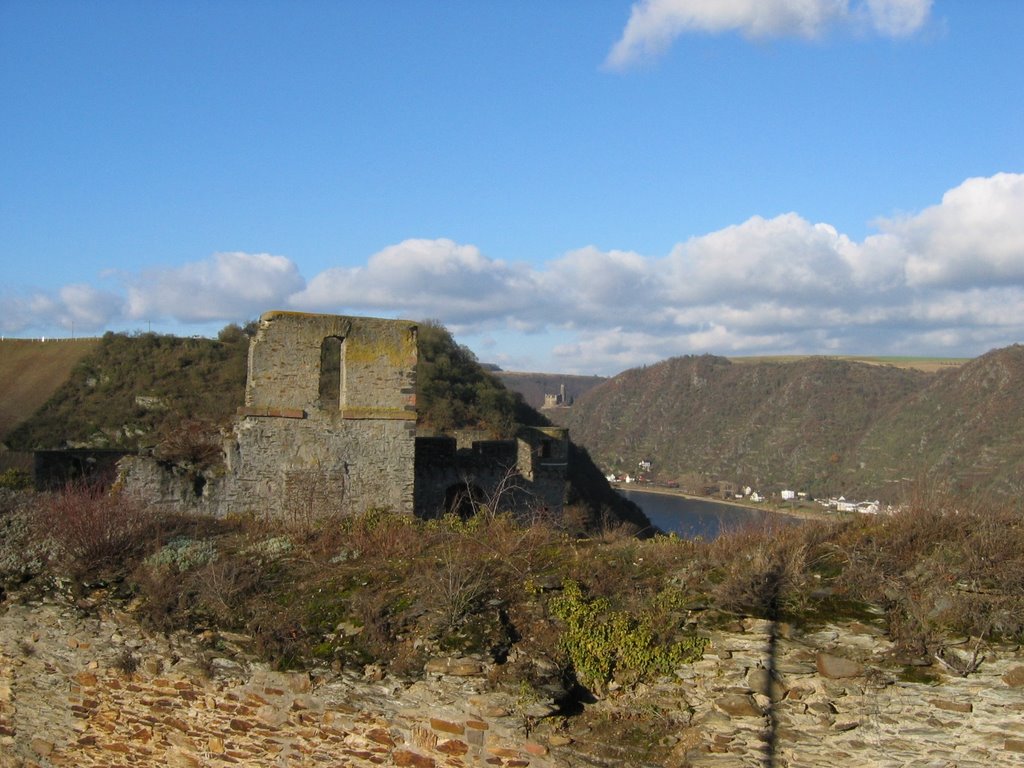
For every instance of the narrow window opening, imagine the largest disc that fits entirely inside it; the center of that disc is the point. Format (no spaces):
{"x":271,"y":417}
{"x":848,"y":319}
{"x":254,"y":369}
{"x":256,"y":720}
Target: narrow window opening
{"x":331,"y":373}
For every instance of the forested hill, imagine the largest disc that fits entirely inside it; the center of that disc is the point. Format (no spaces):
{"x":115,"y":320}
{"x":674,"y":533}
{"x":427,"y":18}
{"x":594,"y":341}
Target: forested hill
{"x":823,"y":425}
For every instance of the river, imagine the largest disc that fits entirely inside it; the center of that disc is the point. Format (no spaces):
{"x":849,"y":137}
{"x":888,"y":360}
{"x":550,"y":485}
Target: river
{"x":692,"y":518}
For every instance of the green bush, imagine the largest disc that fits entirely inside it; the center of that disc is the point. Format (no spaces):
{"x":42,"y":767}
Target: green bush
{"x":15,"y":480}
{"x":603,"y":643}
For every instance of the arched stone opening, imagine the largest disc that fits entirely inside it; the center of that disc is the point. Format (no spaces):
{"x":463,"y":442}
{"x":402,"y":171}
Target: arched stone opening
{"x":332,"y":373}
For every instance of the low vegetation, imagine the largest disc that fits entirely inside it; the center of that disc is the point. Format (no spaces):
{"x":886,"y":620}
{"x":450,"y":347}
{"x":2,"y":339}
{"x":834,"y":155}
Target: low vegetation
{"x":132,"y":388}
{"x":453,"y":391}
{"x":551,"y":607}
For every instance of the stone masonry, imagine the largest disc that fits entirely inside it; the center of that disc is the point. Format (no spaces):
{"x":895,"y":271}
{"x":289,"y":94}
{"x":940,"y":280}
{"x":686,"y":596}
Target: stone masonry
{"x":329,"y":427}
{"x":316,"y":437}
{"x":299,"y":453}
{"x":92,"y":688}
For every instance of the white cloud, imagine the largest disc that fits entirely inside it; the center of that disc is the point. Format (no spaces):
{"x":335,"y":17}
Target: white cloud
{"x":227,"y":286}
{"x":589,"y":285}
{"x":85,"y":308}
{"x":77,"y":308}
{"x":898,"y":18}
{"x":946,"y":280}
{"x":783,"y":255}
{"x":655,"y":24}
{"x":426,"y":279}
{"x":974,"y":237}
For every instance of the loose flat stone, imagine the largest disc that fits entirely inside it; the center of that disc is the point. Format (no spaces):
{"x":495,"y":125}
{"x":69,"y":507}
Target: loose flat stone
{"x":739,"y":705}
{"x":837,"y":667}
{"x":1014,"y":677}
{"x":457,"y":667}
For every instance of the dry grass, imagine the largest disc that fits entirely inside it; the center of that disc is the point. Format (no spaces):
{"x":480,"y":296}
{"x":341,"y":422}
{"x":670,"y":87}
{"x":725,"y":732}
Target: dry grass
{"x":392,"y":590}
{"x":925,"y":364}
{"x":31,"y":371}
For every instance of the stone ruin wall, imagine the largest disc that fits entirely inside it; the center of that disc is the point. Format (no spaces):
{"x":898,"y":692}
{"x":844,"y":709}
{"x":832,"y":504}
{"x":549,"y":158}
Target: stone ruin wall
{"x":305,"y":447}
{"x":828,"y":698}
{"x":301,"y":457}
{"x":295,"y":453}
{"x":524,"y":475}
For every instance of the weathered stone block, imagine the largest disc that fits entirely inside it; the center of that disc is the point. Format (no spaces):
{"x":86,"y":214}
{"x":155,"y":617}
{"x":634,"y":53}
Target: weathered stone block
{"x":837,"y":667}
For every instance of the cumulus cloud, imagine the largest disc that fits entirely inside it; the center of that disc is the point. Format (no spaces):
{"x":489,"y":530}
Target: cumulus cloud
{"x":227,"y":286}
{"x":426,"y":278}
{"x":77,"y":308}
{"x":975,"y":237}
{"x":655,"y":24}
{"x":948,"y":279}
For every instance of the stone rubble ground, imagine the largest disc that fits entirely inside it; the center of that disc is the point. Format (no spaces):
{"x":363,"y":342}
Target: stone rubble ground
{"x":68,"y":697}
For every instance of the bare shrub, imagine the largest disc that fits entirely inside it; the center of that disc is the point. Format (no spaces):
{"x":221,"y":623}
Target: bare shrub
{"x":454,"y":586}
{"x":764,"y":569}
{"x":167,"y":599}
{"x":279,"y":635}
{"x":94,"y":529}
{"x":944,"y":564}
{"x":193,"y":444}
{"x":380,"y":534}
{"x":221,"y":587}
{"x":126,"y":662}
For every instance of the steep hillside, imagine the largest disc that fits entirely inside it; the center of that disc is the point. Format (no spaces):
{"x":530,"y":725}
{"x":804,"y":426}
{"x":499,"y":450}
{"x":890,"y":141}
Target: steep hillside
{"x":132,"y":391}
{"x":31,"y":371}
{"x":129,"y":389}
{"x":965,"y":427}
{"x":795,"y":423}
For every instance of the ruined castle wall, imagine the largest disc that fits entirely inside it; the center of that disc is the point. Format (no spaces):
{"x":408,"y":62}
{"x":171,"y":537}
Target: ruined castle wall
{"x":300,"y":456}
{"x":831,"y":698}
{"x":378,"y":366}
{"x":304,"y":468}
{"x":301,"y":449}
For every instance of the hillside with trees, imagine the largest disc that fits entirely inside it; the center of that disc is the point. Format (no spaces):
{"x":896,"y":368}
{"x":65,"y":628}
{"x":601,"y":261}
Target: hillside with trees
{"x":824,"y":425}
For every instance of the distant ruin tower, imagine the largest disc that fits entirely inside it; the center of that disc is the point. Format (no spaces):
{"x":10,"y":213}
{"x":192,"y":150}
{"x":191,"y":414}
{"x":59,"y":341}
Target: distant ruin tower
{"x":558,"y":400}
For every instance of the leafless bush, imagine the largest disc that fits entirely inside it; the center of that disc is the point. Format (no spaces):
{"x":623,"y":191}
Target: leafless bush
{"x":764,"y":569}
{"x":944,"y":564}
{"x":126,"y":662}
{"x":193,"y":444}
{"x":221,"y":586}
{"x":93,"y":528}
{"x":454,"y":586}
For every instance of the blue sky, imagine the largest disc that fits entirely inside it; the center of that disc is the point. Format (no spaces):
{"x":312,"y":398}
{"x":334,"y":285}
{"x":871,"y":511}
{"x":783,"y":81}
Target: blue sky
{"x":570,"y":186}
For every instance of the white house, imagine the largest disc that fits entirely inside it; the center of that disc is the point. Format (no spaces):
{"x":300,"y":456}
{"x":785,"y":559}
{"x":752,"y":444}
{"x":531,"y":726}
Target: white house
{"x":788,"y":495}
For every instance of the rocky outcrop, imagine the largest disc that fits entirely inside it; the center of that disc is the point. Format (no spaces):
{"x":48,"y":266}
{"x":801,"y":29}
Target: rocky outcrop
{"x":86,"y":686}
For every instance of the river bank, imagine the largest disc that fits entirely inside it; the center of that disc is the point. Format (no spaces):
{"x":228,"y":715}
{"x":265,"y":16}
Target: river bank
{"x":802,"y":513}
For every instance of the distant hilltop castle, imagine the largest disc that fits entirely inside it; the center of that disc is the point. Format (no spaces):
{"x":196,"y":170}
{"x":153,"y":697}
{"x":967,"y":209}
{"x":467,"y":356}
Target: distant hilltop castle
{"x":558,"y":400}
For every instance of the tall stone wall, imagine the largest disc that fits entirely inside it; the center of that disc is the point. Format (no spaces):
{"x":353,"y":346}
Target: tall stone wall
{"x":303,"y":453}
{"x":525,"y":475}
{"x":315,"y":437}
{"x":329,"y":427}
